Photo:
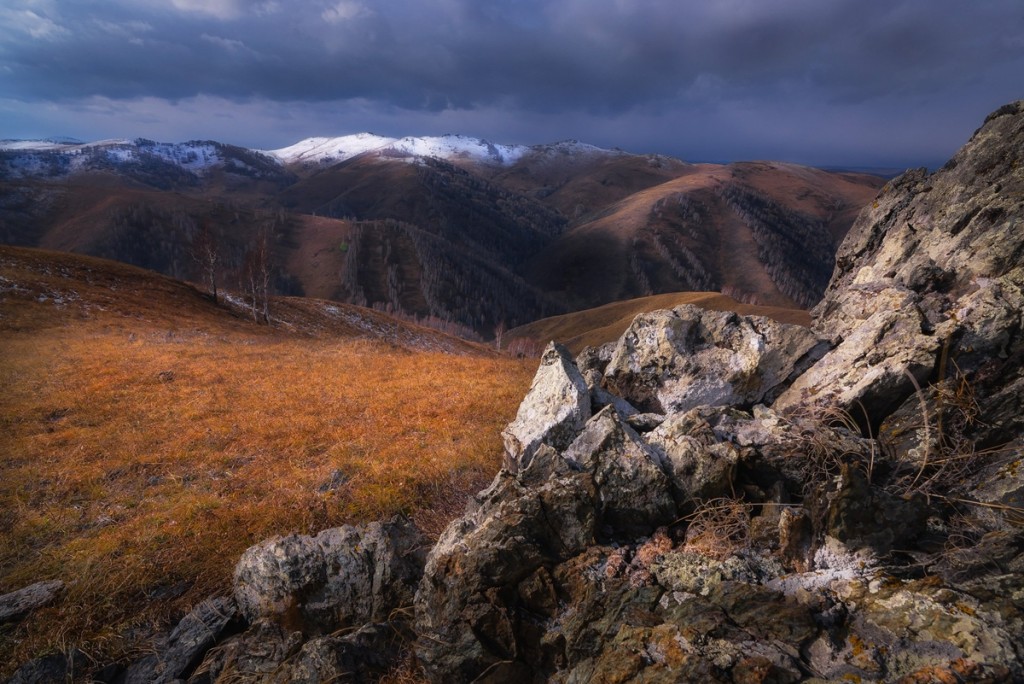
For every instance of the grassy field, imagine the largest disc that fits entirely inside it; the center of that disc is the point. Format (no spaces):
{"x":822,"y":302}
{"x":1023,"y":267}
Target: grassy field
{"x":139,"y":456}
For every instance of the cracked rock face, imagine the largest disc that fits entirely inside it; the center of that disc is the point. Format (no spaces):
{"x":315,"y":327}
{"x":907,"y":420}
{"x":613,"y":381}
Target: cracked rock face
{"x":675,"y":360}
{"x":343,"y":577}
{"x":943,"y":253}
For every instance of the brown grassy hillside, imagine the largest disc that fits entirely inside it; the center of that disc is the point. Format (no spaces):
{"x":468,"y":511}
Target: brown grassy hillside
{"x":580,"y":185}
{"x":150,"y":436}
{"x":762,"y":232}
{"x":597,"y":326}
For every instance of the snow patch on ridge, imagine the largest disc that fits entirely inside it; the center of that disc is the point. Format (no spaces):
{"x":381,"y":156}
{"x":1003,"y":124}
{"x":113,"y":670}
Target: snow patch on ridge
{"x":449,"y":147}
{"x":56,"y":158}
{"x":323,"y":150}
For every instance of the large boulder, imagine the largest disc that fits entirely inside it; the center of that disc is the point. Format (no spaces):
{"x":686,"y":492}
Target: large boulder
{"x":342,"y":577}
{"x":675,"y":360}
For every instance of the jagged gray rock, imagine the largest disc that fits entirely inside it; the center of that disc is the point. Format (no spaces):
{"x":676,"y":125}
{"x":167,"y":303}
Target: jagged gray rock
{"x":554,"y":410}
{"x":943,"y":250}
{"x":675,"y":360}
{"x":16,"y":604}
{"x":606,"y":480}
{"x":875,"y":367}
{"x":342,"y":577}
{"x":700,"y":466}
{"x":183,"y":650}
{"x":633,"y":492}
{"x":937,"y":236}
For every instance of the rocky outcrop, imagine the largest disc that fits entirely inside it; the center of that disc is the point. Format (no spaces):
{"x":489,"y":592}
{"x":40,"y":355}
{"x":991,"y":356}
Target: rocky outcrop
{"x":713,"y":538}
{"x":928,"y":283}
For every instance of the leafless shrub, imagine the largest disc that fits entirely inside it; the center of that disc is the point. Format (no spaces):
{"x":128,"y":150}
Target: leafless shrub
{"x":815,"y":441}
{"x":948,"y":454}
{"x":719,"y":528}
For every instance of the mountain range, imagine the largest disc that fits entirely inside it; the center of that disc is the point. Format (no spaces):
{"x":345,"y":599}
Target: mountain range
{"x":452,"y":231}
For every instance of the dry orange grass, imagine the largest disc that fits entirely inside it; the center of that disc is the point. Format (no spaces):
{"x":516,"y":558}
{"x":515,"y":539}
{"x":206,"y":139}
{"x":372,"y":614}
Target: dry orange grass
{"x":131,"y":463}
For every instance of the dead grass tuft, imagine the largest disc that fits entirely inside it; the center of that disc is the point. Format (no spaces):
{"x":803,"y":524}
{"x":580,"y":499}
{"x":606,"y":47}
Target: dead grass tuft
{"x":719,"y":528}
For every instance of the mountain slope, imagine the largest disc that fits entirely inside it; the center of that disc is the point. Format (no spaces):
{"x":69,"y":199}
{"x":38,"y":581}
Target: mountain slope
{"x":761,"y":232}
{"x":41,"y":289}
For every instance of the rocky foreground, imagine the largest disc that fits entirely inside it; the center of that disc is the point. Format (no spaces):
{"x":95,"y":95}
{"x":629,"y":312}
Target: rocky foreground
{"x":713,"y":498}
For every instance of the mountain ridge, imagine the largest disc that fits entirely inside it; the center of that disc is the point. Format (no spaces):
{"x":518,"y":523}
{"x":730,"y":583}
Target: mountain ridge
{"x":538,"y":230}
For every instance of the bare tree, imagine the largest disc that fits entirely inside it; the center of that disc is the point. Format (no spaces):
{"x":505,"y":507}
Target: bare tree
{"x":256,"y":276}
{"x":206,"y":253}
{"x":499,"y":331}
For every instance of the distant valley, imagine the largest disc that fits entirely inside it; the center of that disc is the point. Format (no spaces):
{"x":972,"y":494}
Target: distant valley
{"x":450,"y":231}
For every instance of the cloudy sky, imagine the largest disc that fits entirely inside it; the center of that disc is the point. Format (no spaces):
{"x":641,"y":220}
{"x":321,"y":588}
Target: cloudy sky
{"x":826,"y":82}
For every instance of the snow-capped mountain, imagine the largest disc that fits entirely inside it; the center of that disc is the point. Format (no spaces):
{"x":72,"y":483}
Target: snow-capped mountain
{"x":448,"y":147}
{"x":58,"y":157}
{"x":55,"y":158}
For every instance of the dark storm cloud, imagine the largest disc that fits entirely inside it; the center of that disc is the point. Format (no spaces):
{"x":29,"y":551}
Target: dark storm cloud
{"x":586,"y":58}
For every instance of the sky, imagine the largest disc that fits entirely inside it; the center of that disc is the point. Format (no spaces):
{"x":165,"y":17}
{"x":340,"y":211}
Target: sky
{"x":854,"y":83}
